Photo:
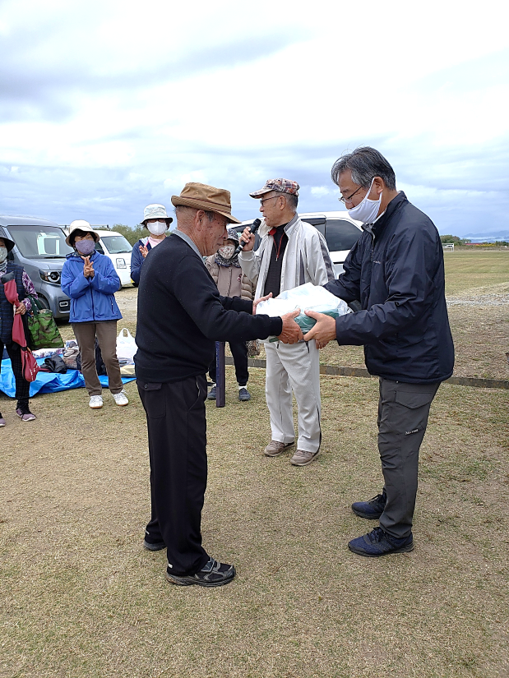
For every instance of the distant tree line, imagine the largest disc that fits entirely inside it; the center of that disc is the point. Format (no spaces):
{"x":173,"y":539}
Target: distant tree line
{"x":131,"y":234}
{"x":447,"y":239}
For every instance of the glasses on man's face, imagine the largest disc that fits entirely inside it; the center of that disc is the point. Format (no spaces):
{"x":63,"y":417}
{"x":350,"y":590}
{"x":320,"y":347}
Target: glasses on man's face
{"x":271,"y":198}
{"x":343,"y":199}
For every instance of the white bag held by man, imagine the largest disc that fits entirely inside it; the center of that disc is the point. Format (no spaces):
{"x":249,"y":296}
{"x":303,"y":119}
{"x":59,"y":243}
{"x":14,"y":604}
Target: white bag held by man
{"x":307,"y":297}
{"x":126,"y":346}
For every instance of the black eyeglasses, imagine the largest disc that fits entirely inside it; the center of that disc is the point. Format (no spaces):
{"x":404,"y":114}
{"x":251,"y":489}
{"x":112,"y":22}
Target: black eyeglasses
{"x":349,"y":199}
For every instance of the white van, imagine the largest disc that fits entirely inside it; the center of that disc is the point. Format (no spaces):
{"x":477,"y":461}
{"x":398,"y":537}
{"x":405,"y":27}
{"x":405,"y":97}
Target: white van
{"x":340,"y":230}
{"x":117,"y":248}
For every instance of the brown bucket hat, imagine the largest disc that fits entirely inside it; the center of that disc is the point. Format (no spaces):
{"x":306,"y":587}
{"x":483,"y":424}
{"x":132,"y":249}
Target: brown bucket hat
{"x":208,"y":198}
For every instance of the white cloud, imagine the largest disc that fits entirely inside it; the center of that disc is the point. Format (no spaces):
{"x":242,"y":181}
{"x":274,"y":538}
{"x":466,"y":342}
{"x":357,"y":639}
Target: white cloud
{"x":109,"y":105}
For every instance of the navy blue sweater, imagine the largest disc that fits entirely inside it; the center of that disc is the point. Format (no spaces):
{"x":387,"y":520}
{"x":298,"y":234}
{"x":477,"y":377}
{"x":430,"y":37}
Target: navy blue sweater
{"x":397,"y":273}
{"x":181,"y":315}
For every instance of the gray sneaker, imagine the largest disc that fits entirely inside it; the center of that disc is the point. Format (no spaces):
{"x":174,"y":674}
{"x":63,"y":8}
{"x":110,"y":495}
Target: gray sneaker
{"x":274,"y":448}
{"x":303,"y":457}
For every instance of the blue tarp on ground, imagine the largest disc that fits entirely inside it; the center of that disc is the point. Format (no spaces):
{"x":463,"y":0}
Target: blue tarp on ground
{"x":47,"y":382}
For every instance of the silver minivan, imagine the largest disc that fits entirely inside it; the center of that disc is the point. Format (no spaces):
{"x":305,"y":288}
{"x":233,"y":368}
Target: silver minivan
{"x":41,"y":250}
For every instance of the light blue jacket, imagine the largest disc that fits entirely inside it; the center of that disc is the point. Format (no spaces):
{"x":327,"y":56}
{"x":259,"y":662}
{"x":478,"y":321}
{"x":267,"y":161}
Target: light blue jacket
{"x":92,"y":299}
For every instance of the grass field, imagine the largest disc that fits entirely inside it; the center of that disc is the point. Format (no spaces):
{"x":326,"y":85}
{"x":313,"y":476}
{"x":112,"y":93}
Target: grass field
{"x":467,"y":269}
{"x":477,"y":288}
{"x":81,"y":598}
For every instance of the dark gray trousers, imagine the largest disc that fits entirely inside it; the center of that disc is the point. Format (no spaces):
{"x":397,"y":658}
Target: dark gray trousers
{"x":177,"y":443}
{"x":403,"y":411}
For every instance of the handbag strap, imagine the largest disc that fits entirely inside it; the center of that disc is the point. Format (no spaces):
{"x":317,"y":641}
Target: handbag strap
{"x":37,"y":305}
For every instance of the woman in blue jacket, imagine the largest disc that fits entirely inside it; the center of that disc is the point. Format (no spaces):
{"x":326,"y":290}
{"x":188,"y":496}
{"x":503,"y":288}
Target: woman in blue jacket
{"x":157,"y":222}
{"x":90,"y":280}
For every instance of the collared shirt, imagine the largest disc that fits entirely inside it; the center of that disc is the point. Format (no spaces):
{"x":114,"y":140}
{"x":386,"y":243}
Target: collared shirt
{"x":188,"y":240}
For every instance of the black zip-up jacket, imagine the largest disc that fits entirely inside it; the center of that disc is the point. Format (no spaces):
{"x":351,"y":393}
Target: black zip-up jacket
{"x":396,"y":271}
{"x":181,"y":314}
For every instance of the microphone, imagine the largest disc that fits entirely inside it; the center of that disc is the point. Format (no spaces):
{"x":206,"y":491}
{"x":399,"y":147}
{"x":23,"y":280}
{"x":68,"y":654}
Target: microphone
{"x":254,"y":227}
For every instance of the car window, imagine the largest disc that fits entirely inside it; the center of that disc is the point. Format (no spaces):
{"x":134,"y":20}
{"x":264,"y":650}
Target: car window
{"x":99,"y":248}
{"x":40,"y":242}
{"x":341,"y":234}
{"x":116,"y":244}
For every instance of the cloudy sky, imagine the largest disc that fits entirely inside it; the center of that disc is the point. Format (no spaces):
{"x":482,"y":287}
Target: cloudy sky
{"x":106,"y":106}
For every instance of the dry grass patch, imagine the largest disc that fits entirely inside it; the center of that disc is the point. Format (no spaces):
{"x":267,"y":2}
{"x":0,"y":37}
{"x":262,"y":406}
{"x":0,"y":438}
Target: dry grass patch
{"x":82,"y":598}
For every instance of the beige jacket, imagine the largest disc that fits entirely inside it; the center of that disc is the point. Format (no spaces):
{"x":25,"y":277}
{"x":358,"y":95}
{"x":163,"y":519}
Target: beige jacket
{"x":230,"y":280}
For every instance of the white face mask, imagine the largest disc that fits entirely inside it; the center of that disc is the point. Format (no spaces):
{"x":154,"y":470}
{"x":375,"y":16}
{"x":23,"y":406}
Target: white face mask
{"x":227,"y":251}
{"x":157,"y":227}
{"x":367,"y":210}
{"x":3,"y":254}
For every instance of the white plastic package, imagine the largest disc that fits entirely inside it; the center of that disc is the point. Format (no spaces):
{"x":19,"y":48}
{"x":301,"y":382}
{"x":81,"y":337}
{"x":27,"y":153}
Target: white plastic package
{"x":126,"y":346}
{"x":307,"y":297}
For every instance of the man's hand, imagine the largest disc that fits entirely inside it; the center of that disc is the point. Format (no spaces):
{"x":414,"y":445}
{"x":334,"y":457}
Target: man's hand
{"x":88,"y":268}
{"x":247,"y":237}
{"x":255,"y":303}
{"x":21,"y":308}
{"x":323,"y":331}
{"x":291,"y":332}
{"x":143,"y":250}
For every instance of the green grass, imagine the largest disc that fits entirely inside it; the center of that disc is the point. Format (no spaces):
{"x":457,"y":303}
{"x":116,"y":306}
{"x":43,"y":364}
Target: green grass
{"x":470,"y":269}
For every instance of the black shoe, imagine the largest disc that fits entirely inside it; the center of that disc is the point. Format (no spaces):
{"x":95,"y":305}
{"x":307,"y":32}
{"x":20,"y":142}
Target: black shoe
{"x":157,"y":546}
{"x":212,"y":393}
{"x":212,"y":574}
{"x":379,"y":543}
{"x":372,"y":509}
{"x":244,"y":394}
{"x":152,"y":544}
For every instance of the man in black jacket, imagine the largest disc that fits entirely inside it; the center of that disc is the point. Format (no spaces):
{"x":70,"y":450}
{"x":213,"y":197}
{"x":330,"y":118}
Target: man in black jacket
{"x":180,"y":316}
{"x":396,"y":271}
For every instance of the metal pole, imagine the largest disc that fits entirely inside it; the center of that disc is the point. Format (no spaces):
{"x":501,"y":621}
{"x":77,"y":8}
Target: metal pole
{"x":220,"y":376}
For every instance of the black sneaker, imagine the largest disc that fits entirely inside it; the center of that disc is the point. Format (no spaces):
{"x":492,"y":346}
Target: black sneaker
{"x":379,"y":543}
{"x":152,"y":544}
{"x":244,"y":394}
{"x":372,"y":509}
{"x":212,"y":574}
{"x":212,"y":393}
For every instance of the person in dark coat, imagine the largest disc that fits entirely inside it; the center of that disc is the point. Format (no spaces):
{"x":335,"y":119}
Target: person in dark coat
{"x":180,"y":316}
{"x":25,"y":288}
{"x":396,"y":271}
{"x":157,"y":222}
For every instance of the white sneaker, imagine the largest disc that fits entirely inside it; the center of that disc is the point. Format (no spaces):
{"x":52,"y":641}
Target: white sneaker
{"x":121,"y":398}
{"x":95,"y":402}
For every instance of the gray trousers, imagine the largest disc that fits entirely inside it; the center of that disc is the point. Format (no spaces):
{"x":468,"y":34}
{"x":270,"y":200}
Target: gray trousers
{"x":403,"y":411}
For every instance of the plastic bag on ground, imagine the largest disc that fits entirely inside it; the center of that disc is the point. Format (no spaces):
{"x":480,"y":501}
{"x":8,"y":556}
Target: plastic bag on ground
{"x":307,"y":297}
{"x":126,"y":346}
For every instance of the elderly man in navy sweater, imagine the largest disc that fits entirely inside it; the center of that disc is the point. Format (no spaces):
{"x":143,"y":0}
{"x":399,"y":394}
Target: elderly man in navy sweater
{"x":396,"y":271}
{"x":180,"y":316}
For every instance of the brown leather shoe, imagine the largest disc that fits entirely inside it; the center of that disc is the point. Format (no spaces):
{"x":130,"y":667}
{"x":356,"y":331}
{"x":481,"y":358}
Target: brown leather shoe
{"x":274,"y":448}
